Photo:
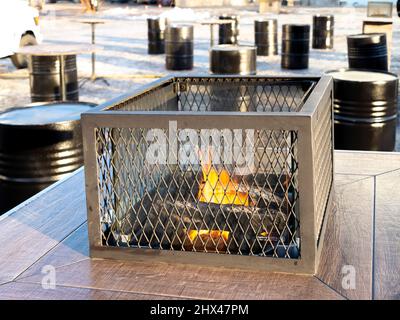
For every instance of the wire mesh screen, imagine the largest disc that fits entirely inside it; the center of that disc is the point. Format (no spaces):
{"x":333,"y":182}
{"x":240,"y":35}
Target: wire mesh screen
{"x":227,"y":204}
{"x":222,"y":94}
{"x":236,"y":94}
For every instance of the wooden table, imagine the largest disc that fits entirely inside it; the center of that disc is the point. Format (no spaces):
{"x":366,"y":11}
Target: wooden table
{"x":93,"y":22}
{"x":363,"y":236}
{"x":212,"y":23}
{"x":59,"y":51}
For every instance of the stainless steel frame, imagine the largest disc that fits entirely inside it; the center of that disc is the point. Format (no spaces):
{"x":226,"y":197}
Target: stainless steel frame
{"x":314,"y":124}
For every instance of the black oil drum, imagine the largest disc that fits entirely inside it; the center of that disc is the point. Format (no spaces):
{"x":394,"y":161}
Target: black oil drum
{"x":228,"y":32}
{"x":179,"y":47}
{"x":367,"y":51}
{"x":155,"y":35}
{"x":266,"y":37}
{"x":323,"y":26}
{"x":39,"y":145}
{"x":231,"y":97}
{"x":229,"y":60}
{"x":295,"y":46}
{"x":44,"y":77}
{"x":233,"y":59}
{"x":365,"y":109}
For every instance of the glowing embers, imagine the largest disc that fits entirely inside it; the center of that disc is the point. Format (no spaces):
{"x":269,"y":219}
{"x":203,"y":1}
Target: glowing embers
{"x":204,"y":234}
{"x":211,"y":240}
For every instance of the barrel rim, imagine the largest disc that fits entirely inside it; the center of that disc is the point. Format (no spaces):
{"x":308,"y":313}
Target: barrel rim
{"x":376,"y":38}
{"x":396,"y":77}
{"x":265,"y":20}
{"x":35,"y":104}
{"x":234,"y":47}
{"x":365,"y":35}
{"x":321,"y":15}
{"x":156,"y":18}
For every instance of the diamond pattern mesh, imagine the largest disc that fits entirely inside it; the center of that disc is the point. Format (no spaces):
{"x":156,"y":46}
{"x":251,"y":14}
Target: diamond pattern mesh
{"x":162,"y":206}
{"x":222,"y":94}
{"x":237,"y":94}
{"x":208,"y":205}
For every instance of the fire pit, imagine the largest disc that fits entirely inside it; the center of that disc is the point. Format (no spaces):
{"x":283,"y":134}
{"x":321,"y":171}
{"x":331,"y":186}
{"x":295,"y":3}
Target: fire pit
{"x":169,"y":178}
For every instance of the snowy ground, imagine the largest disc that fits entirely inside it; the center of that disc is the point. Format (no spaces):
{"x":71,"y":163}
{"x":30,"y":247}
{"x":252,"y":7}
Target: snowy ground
{"x":126,"y":64}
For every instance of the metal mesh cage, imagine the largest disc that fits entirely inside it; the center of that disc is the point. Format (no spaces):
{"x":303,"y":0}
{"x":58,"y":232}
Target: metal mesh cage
{"x":195,"y":169}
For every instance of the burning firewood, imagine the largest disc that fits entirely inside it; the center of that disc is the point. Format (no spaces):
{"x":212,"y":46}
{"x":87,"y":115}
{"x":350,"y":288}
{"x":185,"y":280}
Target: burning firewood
{"x":207,"y":211}
{"x":165,"y":224}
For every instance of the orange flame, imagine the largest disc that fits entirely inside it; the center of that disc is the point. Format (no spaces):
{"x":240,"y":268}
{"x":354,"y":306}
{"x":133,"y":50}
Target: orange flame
{"x":219,"y":188}
{"x":204,"y":234}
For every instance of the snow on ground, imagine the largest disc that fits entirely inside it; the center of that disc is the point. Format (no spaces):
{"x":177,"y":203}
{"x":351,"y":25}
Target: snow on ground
{"x":189,"y":15}
{"x":126,"y":64}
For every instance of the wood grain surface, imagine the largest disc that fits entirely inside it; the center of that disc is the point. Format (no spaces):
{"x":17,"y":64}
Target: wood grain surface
{"x":73,"y":249}
{"x":387,"y":237}
{"x":363,"y":231}
{"x":347,"y":244}
{"x":34,"y":291}
{"x":183,"y":281}
{"x":33,"y":230}
{"x":366,"y":163}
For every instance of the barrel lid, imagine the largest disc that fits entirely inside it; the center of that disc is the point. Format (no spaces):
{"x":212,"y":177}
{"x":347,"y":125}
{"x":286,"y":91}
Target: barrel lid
{"x":180,"y":26}
{"x":269,"y":20}
{"x":44,"y":113}
{"x":232,"y":47}
{"x":366,"y":38}
{"x":361,"y":75}
{"x":324,"y":16}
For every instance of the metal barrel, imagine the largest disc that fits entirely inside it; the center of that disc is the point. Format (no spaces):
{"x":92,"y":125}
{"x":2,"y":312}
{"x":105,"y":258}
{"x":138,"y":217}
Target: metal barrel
{"x":39,"y":144}
{"x":231,"y":97}
{"x":323,"y":26}
{"x":44,"y":77}
{"x":295,"y":46}
{"x":233,"y":59}
{"x":229,"y":60}
{"x":179,"y":47}
{"x":367,"y":51}
{"x":266,"y":36}
{"x":228,"y":32}
{"x":365,"y":109}
{"x":155,"y":35}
